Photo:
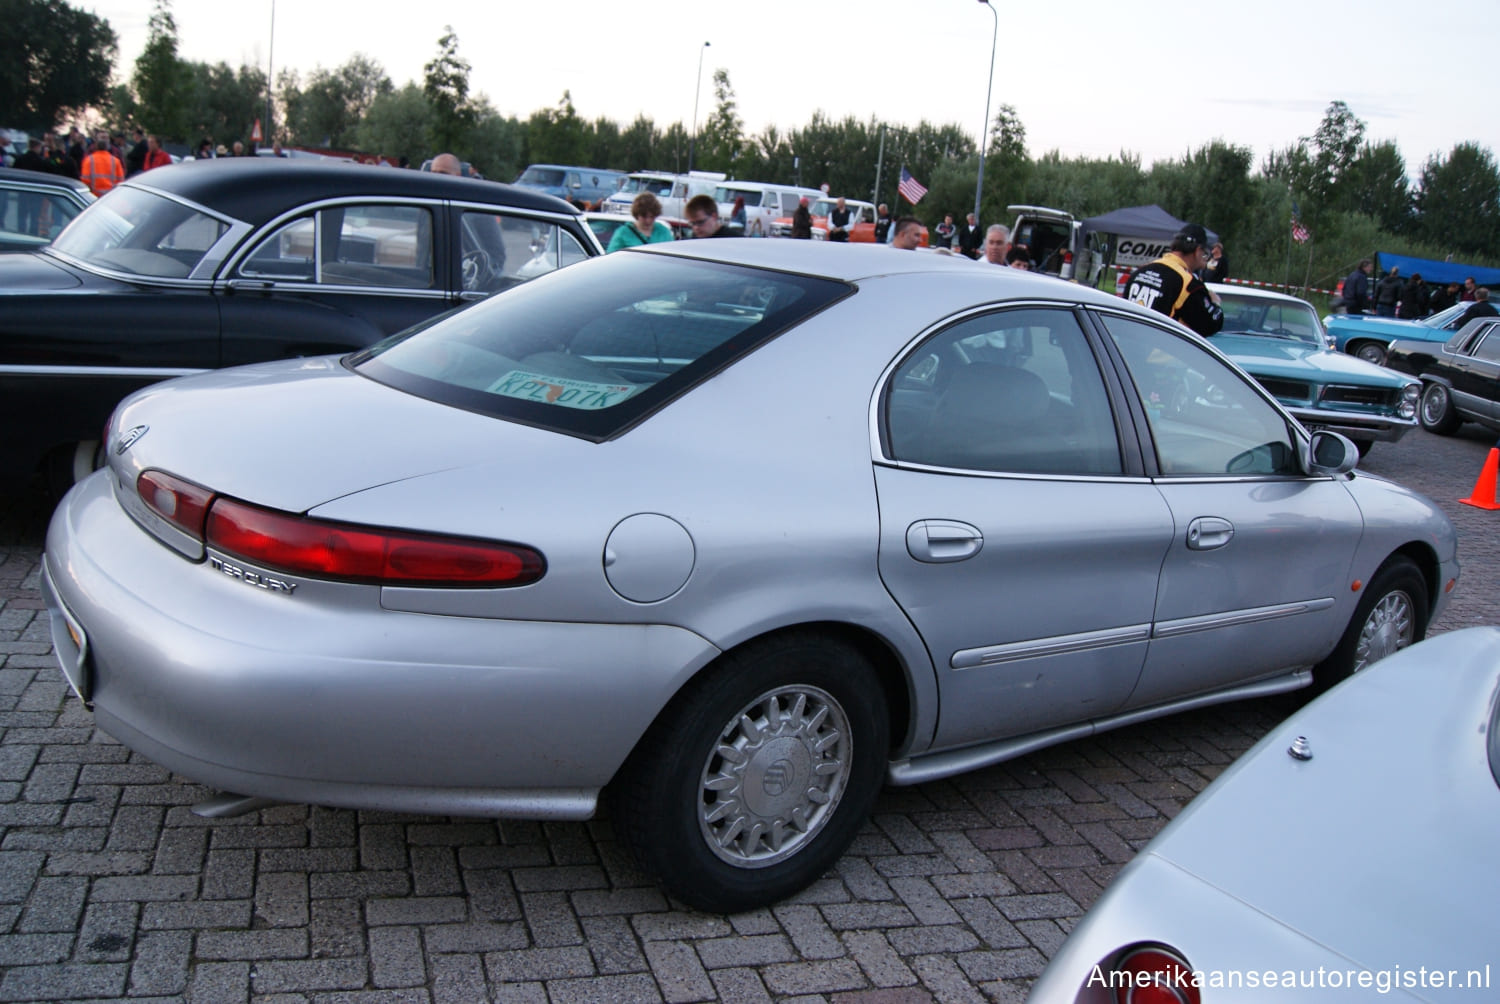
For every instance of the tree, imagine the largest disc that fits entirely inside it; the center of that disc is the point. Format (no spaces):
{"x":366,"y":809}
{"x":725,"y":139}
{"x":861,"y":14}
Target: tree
{"x":446,"y":86}
{"x":558,"y":135}
{"x":1458,"y":199}
{"x":722,"y":140}
{"x":1377,"y":182}
{"x":222,"y":103}
{"x":162,"y":80}
{"x":56,"y":58}
{"x":496,"y":144}
{"x":327,"y":110}
{"x":396,"y":125}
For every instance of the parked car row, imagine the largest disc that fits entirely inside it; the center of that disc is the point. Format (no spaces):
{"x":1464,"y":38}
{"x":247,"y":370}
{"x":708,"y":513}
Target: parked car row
{"x":1460,"y":377}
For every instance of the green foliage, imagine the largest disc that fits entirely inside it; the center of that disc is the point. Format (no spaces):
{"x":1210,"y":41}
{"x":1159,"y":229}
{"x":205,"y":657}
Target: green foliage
{"x":56,"y":58}
{"x":558,"y":136}
{"x":446,"y":86}
{"x":1458,"y":199}
{"x":496,"y":145}
{"x":722,"y":140}
{"x":163,"y":82}
{"x":327,"y":110}
{"x":223,"y":103}
{"x":397,"y":126}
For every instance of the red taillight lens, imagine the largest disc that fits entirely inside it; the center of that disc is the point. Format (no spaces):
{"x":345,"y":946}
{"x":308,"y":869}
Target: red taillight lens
{"x":179,"y":502}
{"x":366,"y":554}
{"x":1154,"y":975}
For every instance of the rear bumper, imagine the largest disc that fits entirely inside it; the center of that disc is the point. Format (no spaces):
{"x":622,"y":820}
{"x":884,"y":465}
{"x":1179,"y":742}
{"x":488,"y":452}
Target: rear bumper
{"x":323,"y":696}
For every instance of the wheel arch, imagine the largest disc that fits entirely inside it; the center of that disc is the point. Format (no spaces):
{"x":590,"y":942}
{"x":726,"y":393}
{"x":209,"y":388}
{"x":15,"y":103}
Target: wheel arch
{"x":1356,"y":342}
{"x":1425,"y":558}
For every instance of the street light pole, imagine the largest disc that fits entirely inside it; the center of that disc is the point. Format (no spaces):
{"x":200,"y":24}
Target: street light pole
{"x":697,"y":88}
{"x":270,"y":69}
{"x":989,"y":86}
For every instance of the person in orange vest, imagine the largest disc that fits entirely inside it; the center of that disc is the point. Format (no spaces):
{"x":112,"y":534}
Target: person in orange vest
{"x":101,"y":170}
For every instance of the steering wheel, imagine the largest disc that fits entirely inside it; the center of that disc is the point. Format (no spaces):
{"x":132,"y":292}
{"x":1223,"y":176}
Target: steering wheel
{"x":475,"y":268}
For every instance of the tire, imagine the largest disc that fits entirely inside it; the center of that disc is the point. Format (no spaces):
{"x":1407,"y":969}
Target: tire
{"x":1436,"y":411}
{"x":807,"y":719}
{"x":1391,"y":615}
{"x":1371,"y":352}
{"x":1364,"y":446}
{"x":67,"y":465}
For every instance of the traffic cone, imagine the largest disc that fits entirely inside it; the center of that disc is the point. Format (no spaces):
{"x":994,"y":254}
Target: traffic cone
{"x":1483,"y":496}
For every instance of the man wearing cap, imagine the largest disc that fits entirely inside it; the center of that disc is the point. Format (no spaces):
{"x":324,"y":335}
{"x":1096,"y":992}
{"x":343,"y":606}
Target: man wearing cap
{"x":1168,"y":285}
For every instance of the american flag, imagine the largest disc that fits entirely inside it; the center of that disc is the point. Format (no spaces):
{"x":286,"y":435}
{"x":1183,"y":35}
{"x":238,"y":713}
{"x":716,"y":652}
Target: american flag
{"x":1300,"y":233}
{"x":910,"y":188}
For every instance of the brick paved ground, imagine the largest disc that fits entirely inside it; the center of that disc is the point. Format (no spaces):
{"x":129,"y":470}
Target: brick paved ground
{"x":955,"y":891}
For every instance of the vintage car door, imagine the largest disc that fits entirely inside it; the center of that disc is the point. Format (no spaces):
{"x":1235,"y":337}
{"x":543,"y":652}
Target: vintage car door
{"x":1475,"y":372}
{"x":335,"y":277}
{"x":1016,"y":530}
{"x":1260,"y":553}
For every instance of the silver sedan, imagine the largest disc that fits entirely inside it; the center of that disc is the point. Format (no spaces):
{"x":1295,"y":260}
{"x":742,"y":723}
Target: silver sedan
{"x":726,"y":533}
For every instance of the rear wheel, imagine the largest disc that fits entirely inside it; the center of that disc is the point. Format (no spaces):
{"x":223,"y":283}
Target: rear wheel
{"x":1437,"y":412}
{"x":1391,"y":615}
{"x":1371,"y":352}
{"x":68,"y":465}
{"x":756,"y":779}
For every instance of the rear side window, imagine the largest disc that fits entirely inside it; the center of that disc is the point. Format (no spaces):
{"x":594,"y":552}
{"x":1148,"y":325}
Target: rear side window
{"x":592,"y":349}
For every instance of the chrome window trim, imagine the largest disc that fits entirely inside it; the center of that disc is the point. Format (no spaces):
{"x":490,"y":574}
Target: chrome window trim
{"x":231,"y":266}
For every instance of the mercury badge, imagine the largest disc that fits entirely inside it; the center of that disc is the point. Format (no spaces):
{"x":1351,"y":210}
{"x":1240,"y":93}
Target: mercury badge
{"x":130,"y":438}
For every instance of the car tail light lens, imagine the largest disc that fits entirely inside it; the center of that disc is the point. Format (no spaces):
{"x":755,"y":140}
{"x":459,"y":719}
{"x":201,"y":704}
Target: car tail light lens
{"x":366,"y":554}
{"x":179,"y":502}
{"x":1154,"y":975}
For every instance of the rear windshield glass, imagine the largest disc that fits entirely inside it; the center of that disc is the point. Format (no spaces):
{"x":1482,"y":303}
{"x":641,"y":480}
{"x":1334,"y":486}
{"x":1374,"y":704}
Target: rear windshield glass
{"x":143,"y":233}
{"x":592,"y":349}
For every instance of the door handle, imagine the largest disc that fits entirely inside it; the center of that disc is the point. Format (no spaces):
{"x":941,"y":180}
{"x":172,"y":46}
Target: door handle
{"x":1208,"y":532}
{"x":942,"y":540}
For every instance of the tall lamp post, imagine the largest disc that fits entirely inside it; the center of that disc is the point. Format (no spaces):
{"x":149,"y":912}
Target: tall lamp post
{"x":697,"y":88}
{"x":989,"y":85}
{"x":270,"y":69}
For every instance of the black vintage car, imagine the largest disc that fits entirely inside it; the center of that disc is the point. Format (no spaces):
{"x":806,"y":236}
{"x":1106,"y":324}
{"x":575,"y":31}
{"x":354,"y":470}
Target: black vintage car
{"x":223,"y":262}
{"x":1460,"y":377}
{"x":35,"y":207}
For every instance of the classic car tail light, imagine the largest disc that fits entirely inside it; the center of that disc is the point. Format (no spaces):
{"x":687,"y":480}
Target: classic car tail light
{"x":179,"y":502}
{"x":366,"y":554}
{"x":1154,"y":974}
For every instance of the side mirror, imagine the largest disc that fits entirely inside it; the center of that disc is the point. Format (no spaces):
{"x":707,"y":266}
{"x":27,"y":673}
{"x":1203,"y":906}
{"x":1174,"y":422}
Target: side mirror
{"x":1330,"y":453}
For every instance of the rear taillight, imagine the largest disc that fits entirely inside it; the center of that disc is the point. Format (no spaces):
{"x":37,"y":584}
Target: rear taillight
{"x":1154,"y":975}
{"x":179,"y":502}
{"x":365,"y":554}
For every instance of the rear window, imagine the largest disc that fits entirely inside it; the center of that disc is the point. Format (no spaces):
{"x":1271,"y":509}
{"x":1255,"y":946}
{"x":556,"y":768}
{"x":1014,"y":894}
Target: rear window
{"x":593,"y":349}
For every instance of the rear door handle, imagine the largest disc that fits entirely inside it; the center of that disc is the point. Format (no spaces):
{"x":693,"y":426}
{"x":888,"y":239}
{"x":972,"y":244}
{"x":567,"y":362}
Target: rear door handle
{"x":942,"y":540}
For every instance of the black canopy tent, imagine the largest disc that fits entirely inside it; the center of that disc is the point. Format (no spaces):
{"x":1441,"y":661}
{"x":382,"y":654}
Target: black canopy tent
{"x":1139,"y":221}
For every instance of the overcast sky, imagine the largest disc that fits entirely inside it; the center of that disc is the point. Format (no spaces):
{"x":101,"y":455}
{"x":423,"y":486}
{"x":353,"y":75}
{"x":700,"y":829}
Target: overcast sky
{"x":1154,"y":78}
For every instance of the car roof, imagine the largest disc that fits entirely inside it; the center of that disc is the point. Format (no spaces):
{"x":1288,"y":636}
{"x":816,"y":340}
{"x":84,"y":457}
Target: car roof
{"x":258,"y":189}
{"x":1250,"y":293}
{"x":41,"y":178}
{"x":854,"y":262}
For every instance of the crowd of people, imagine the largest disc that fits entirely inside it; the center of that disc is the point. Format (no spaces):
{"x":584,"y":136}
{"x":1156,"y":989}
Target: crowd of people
{"x":1410,"y":298}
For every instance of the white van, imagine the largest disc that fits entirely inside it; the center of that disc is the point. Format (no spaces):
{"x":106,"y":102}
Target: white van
{"x":764,"y":203}
{"x":672,"y":190}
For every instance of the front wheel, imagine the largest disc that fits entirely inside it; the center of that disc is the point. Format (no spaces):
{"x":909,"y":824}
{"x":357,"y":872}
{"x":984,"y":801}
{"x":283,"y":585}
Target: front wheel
{"x":1437,"y":412}
{"x":1371,"y":352}
{"x":1391,"y":615}
{"x":758,"y":776}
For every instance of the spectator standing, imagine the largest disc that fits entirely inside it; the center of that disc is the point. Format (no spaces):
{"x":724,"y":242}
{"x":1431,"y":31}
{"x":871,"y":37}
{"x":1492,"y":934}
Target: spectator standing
{"x":1357,"y":288}
{"x":703,"y":216}
{"x":883,"y":223}
{"x":1217,"y":269}
{"x":1018,"y":257}
{"x":447,"y":163}
{"x":101,"y":170}
{"x":205,"y":150}
{"x":907,"y":234}
{"x":737,"y":216}
{"x":1168,"y":285}
{"x":944,"y":233}
{"x":1481,"y":307}
{"x":76,"y":146}
{"x":996,"y":243}
{"x":1388,"y":293}
{"x":1470,"y":292}
{"x":32,"y":159}
{"x":29,"y":204}
{"x":239,"y":149}
{"x":155,"y":155}
{"x":970,"y":236}
{"x":58,"y":161}
{"x":135,"y":160}
{"x":838,"y":222}
{"x":1443,"y":298}
{"x":802,"y":222}
{"x":1413,"y":298}
{"x":643,"y":228}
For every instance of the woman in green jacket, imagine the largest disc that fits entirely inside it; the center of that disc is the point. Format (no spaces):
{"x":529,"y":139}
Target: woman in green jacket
{"x":644,"y":209}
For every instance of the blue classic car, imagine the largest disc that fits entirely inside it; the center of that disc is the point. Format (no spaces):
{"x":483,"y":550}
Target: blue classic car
{"x":1369,"y":336}
{"x":1277,"y":339}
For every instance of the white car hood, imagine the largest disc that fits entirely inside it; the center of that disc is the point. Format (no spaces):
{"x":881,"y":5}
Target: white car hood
{"x":293,"y":435}
{"x":1381,"y":847}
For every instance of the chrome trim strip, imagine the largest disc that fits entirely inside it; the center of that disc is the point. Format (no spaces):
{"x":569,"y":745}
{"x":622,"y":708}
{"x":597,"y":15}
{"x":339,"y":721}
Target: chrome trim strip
{"x":993,"y":655}
{"x":946,"y":763}
{"x":1235,"y":618}
{"x":154,"y":372}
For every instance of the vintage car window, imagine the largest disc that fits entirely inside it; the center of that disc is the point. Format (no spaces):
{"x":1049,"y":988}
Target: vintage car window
{"x":591,"y":349}
{"x":1015,"y":391}
{"x":389,"y":246}
{"x":1264,"y":316}
{"x":500,"y":251}
{"x":542,"y":177}
{"x":1205,"y":418}
{"x":32,"y":218}
{"x":142,"y":233}
{"x":1489,"y":344}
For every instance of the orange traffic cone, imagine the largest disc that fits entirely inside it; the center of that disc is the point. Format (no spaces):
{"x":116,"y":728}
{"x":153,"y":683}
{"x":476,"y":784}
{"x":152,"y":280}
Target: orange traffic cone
{"x":1483,"y":496}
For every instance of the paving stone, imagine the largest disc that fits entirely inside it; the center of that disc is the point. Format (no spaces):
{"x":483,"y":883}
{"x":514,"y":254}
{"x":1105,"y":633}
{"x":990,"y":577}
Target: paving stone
{"x":161,"y":963}
{"x":396,"y":957}
{"x":678,"y":972}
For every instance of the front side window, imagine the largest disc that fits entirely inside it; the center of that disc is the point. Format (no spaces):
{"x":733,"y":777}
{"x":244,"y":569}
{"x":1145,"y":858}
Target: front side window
{"x":32,"y":218}
{"x":142,"y":233}
{"x":592,"y":349}
{"x":1205,"y":418}
{"x":387,"y":246}
{"x":1014,"y":391}
{"x":502,"y":251}
{"x":1489,"y":346}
